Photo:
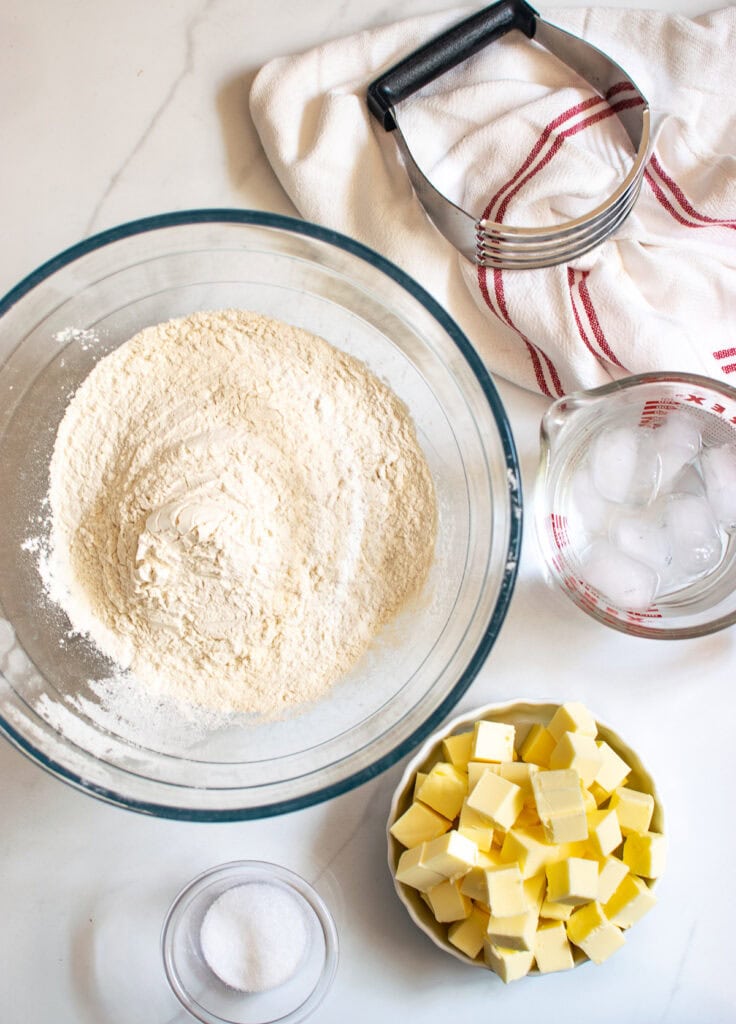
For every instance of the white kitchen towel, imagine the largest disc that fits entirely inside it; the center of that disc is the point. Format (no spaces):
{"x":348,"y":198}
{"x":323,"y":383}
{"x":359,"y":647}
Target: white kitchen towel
{"x":514,"y":131}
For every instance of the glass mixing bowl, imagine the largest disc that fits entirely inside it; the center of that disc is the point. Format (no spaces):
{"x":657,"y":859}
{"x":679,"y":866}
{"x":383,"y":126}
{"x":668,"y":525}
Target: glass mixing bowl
{"x":57,"y":323}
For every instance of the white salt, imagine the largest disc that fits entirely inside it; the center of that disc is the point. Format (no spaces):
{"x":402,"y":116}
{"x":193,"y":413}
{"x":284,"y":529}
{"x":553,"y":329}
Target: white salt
{"x":624,"y":581}
{"x":625,"y":465}
{"x":719,"y":474}
{"x":254,"y":936}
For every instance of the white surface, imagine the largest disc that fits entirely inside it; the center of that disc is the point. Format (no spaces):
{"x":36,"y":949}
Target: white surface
{"x":116,"y":110}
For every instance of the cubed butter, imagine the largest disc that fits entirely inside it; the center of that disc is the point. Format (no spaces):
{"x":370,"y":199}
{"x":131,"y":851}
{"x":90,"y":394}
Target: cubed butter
{"x":538,"y":746}
{"x":645,"y":853}
{"x":475,"y":883}
{"x":448,"y":903}
{"x":509,"y":964}
{"x":493,"y":741}
{"x":444,"y":789}
{"x":527,"y":816}
{"x":604,"y":834}
{"x":421,"y":776}
{"x":630,"y":902}
{"x":589,"y":801}
{"x":534,"y":890}
{"x":633,"y":808}
{"x":520,"y":773}
{"x":478,"y":768}
{"x":579,"y":752}
{"x":528,"y":848}
{"x":418,"y":824}
{"x":613,"y":770}
{"x":476,"y":827}
{"x":556,"y":911}
{"x":516,"y":932}
{"x":411,"y":870}
{"x":506,"y":895}
{"x":560,"y":805}
{"x":451,"y":855}
{"x":551,"y":948}
{"x":598,"y":793}
{"x":573,"y":881}
{"x":469,"y":935}
{"x":499,"y":800}
{"x":572,"y":717}
{"x":611,"y":873}
{"x":590,"y":930}
{"x":456,"y":749}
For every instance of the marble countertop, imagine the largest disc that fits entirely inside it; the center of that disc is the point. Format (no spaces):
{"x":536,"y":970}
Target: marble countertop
{"x":114,"y":111}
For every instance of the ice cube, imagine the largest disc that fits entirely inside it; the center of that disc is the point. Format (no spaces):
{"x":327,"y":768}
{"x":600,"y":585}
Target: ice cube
{"x":697,"y":544}
{"x":644,"y":537}
{"x":625,"y":582}
{"x":625,"y":466}
{"x":678,"y":443}
{"x":688,"y":481}
{"x":719,"y":474}
{"x":588,"y":513}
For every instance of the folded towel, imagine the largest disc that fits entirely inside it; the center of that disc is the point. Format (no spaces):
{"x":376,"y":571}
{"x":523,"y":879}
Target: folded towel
{"x":514,"y":131}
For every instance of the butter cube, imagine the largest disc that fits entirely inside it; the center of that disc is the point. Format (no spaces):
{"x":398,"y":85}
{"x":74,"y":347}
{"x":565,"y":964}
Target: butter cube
{"x":572,"y":717}
{"x":630,"y":902}
{"x":526,"y":847}
{"x":633,"y":809}
{"x":645,"y":853}
{"x":520,"y":773}
{"x":447,"y":902}
{"x":556,"y":911}
{"x":456,"y":749}
{"x":528,"y":816}
{"x":418,"y":824}
{"x":476,"y":827}
{"x":497,"y":799}
{"x":589,"y":801}
{"x":468,"y":935}
{"x":516,"y":932}
{"x":420,"y":777}
{"x":613,"y":770}
{"x":538,"y":746}
{"x":412,"y":871}
{"x":590,"y":929}
{"x":475,"y":883}
{"x":551,"y":948}
{"x":573,"y":881}
{"x":450,"y":855}
{"x":493,"y":741}
{"x":604,"y":834}
{"x":579,"y":752}
{"x":444,"y":789}
{"x":560,"y":805}
{"x":478,"y":768}
{"x":599,"y":795}
{"x":506,"y":895}
{"x":534,"y":890}
{"x":509,"y":964}
{"x":611,"y":873}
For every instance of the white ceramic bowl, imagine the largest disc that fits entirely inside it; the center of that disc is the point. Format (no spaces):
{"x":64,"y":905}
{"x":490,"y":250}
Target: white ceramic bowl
{"x":522,"y":714}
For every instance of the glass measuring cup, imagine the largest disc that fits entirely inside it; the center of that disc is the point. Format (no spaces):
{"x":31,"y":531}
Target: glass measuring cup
{"x":570,"y":430}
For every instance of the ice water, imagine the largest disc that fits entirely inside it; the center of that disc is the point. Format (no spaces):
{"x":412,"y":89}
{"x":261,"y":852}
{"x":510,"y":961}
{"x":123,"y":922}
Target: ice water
{"x":650,"y":508}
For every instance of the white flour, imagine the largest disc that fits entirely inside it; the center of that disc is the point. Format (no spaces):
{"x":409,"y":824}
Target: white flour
{"x":237,"y":508}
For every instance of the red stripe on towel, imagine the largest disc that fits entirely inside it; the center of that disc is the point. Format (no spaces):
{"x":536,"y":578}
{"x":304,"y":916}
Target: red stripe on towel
{"x":687,"y":207}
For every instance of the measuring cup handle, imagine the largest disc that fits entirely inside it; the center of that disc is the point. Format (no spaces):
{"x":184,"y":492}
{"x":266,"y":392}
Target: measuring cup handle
{"x":445,"y":51}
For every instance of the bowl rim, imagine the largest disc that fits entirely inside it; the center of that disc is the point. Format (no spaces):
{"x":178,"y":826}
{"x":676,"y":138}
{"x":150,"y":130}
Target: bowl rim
{"x":262,"y":869}
{"x":282,"y":222}
{"x":465,"y":718}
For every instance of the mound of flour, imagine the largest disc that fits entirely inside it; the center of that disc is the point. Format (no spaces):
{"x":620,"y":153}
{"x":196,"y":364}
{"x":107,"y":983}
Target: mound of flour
{"x":236,"y":509}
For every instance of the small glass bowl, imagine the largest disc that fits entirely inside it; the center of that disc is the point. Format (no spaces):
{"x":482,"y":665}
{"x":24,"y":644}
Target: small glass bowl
{"x":568,"y":430}
{"x":198,"y":988}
